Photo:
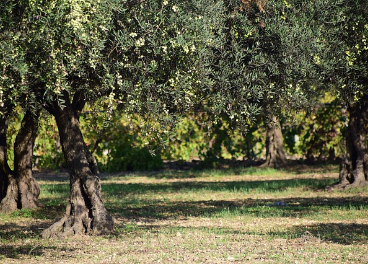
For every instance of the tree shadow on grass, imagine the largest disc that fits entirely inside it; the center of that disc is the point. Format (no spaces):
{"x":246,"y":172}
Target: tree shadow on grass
{"x":122,"y":229}
{"x":30,"y":250}
{"x":159,"y":209}
{"x":19,"y":252}
{"x":15,"y":252}
{"x":264,"y":186}
{"x":194,"y":169}
{"x":339,"y":233}
{"x":12,"y":233}
{"x":260,"y":208}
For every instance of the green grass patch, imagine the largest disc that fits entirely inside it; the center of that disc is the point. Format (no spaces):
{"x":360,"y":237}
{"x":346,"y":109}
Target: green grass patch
{"x":244,"y":215}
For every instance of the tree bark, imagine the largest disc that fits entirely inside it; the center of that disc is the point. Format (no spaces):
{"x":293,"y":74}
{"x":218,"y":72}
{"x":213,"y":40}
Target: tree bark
{"x":19,"y":190}
{"x":28,"y":188}
{"x":353,"y":170}
{"x":85,"y":212}
{"x":8,"y":188}
{"x":275,"y":155}
{"x":4,"y":167}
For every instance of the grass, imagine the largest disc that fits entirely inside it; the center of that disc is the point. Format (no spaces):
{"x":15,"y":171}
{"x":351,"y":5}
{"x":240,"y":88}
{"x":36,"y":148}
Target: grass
{"x":243,"y":215}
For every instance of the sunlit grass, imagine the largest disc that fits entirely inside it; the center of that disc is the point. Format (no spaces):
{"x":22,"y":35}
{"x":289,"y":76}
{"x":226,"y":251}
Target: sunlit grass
{"x":244,"y":215}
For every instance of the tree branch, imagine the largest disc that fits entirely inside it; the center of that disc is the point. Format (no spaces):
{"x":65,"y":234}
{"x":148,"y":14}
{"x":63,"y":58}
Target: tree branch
{"x":79,"y":101}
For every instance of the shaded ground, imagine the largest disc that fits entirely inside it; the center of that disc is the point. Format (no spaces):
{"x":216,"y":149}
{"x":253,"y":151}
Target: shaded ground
{"x":187,"y":216}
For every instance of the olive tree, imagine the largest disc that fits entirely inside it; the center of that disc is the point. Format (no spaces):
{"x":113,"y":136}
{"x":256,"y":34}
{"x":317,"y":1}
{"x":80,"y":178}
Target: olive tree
{"x":18,"y":188}
{"x":330,"y":38}
{"x":262,"y":66}
{"x":147,"y":57}
{"x":343,"y":63}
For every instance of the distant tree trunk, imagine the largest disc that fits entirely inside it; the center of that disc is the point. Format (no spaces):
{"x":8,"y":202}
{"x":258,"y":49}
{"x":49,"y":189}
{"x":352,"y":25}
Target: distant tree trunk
{"x":85,"y":212}
{"x":6,"y":174}
{"x":275,"y":155}
{"x":20,"y":189}
{"x":29,"y":189}
{"x":354,"y":164}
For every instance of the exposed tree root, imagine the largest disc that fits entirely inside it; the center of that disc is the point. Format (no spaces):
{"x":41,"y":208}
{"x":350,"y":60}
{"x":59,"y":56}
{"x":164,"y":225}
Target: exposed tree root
{"x":85,"y":212}
{"x":345,"y":185}
{"x":20,"y":194}
{"x":355,"y":184}
{"x":10,"y":202}
{"x":337,"y":186}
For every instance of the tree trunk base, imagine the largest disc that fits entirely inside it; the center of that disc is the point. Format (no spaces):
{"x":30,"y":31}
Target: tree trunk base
{"x":70,"y":226}
{"x":10,"y":202}
{"x":29,"y":190}
{"x":85,"y":212}
{"x":346,"y":185}
{"x":273,"y":164}
{"x":19,"y":190}
{"x":356,"y":185}
{"x":275,"y":155}
{"x":20,"y":194}
{"x":337,"y":186}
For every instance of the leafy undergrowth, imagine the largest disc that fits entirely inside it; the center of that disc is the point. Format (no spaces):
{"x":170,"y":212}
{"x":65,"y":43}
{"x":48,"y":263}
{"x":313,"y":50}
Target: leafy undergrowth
{"x":227,"y":216}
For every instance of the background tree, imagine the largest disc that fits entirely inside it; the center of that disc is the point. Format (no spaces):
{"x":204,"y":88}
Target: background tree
{"x":18,"y":188}
{"x":262,"y":66}
{"x":275,"y":154}
{"x":343,"y":27}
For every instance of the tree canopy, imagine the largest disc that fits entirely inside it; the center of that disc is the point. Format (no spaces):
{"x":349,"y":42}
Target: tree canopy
{"x":233,"y":59}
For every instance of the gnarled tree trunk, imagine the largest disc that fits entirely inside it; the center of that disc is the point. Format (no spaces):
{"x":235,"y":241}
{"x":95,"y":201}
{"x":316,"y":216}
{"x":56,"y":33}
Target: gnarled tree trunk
{"x":19,"y":189}
{"x":7,"y":181}
{"x":85,"y":212}
{"x":28,"y":188}
{"x":275,"y":155}
{"x":354,"y":164}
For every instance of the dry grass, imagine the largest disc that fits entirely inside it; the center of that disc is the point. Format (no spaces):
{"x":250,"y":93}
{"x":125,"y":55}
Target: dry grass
{"x":202,"y":217}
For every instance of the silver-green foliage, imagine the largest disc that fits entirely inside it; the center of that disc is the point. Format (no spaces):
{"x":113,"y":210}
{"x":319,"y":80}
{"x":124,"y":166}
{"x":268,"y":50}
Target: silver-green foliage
{"x":147,"y":57}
